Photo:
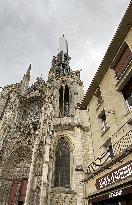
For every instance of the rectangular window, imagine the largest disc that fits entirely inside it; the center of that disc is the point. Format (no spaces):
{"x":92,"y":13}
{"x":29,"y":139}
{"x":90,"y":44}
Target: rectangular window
{"x":103,"y":121}
{"x":123,"y":62}
{"x":127,"y":94}
{"x":99,"y":96}
{"x":108,"y":147}
{"x":110,"y":150}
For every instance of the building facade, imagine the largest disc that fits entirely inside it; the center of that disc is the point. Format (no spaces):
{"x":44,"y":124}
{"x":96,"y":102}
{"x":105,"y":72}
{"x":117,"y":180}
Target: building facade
{"x":108,"y":179}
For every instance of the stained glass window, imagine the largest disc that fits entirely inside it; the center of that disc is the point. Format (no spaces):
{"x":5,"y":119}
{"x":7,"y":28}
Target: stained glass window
{"x":62,"y":164}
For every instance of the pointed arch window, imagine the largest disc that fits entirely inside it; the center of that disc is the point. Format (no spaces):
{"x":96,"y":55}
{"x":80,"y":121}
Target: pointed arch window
{"x":61,"y":100}
{"x":64,"y":101}
{"x":62,"y":164}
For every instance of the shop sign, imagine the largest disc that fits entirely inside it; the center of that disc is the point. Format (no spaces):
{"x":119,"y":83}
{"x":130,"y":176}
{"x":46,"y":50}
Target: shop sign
{"x":109,"y":195}
{"x":116,"y":175}
{"x":115,"y":193}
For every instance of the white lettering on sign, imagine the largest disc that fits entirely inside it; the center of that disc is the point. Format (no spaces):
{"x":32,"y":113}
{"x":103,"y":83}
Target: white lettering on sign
{"x":115,"y":176}
{"x":115,"y":193}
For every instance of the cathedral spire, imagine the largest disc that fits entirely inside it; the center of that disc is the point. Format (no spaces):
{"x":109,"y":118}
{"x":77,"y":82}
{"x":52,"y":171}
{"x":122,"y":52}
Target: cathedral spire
{"x":60,"y":63}
{"x":25,"y":81}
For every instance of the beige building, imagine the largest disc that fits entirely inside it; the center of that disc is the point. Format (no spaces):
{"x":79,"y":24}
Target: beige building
{"x":108,"y":101}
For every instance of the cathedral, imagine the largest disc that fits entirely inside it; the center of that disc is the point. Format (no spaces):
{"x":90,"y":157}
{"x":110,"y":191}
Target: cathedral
{"x":44,"y":137}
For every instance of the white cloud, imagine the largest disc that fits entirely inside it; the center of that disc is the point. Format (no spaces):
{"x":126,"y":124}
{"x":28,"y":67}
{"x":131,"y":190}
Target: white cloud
{"x":29,"y":32}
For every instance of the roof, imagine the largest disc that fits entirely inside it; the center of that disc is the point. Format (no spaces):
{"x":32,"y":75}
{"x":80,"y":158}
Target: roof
{"x":113,"y":48}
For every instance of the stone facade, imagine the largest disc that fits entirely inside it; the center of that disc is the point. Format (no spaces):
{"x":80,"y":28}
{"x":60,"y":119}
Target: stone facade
{"x":33,"y":120}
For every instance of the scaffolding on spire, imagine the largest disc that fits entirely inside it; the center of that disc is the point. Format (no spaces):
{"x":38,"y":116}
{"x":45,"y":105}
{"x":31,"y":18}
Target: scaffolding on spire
{"x":63,"y":45}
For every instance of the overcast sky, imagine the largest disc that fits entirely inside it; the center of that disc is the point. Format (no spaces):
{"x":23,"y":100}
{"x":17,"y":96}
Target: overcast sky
{"x":30,"y":29}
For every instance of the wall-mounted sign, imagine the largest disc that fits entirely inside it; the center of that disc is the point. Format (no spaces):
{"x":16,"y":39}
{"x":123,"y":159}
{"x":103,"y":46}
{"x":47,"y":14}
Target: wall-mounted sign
{"x":115,"y":193}
{"x":114,"y":176}
{"x":108,"y":195}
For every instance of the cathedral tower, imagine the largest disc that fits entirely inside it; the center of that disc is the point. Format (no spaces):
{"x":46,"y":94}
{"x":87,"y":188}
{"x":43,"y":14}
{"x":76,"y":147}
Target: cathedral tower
{"x":68,"y":88}
{"x":69,"y":133}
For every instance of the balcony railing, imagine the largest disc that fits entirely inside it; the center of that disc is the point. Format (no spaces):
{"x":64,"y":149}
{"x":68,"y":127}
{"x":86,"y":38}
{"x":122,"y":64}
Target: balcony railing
{"x":123,"y":143}
{"x":98,"y":162}
{"x":118,"y":147}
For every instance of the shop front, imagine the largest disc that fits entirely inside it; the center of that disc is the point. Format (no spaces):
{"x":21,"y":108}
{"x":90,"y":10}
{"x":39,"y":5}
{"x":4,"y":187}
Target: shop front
{"x":119,"y":196}
{"x":114,"y":188}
